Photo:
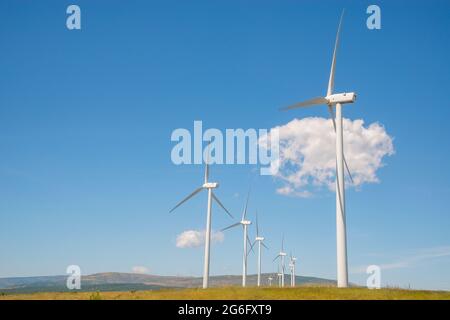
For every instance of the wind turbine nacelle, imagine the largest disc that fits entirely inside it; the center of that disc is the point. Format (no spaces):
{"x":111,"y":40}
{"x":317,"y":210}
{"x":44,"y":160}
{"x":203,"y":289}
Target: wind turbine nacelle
{"x":283,"y":254}
{"x":259,"y":238}
{"x":246,"y":222}
{"x":342,"y":98}
{"x":210,"y":185}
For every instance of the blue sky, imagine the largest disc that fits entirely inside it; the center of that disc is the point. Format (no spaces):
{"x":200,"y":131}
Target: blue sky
{"x":86,"y":116}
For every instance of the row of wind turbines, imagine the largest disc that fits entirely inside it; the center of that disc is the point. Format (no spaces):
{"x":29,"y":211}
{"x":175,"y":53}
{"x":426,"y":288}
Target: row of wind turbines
{"x":245,"y":223}
{"x":334,"y":102}
{"x":248,"y":245}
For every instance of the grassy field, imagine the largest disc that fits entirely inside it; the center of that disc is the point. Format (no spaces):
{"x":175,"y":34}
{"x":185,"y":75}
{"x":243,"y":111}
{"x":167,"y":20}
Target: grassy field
{"x":229,"y":293}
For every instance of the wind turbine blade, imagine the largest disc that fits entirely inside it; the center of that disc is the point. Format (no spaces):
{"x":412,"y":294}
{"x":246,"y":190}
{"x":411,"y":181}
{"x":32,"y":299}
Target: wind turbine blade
{"x":333,"y":62}
{"x":206,"y":172}
{"x":282,"y":244}
{"x":257,"y":226}
{"x":262,"y":243}
{"x":207,"y":163}
{"x":250,"y":243}
{"x":221,"y":205}
{"x":187,"y":198}
{"x":275,"y":258}
{"x":244,"y":214}
{"x":332,"y":116}
{"x":348,"y":170}
{"x":307,"y":103}
{"x":330,"y":110}
{"x":232,"y":226}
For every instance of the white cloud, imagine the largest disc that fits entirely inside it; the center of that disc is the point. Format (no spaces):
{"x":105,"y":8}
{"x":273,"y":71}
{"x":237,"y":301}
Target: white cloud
{"x":307,"y":154}
{"x":195,"y":238}
{"x":140,"y":269}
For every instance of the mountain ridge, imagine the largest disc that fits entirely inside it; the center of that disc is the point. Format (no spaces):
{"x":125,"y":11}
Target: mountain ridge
{"x":121,"y":281}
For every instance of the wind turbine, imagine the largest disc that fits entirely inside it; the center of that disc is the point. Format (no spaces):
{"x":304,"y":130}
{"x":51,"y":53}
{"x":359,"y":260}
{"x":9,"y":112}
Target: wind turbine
{"x":281,"y":255}
{"x":279,"y":276}
{"x":292,"y":268}
{"x":245,"y":224}
{"x":260,"y":240}
{"x":337,"y":100}
{"x":209,"y":186}
{"x":269,"y":279}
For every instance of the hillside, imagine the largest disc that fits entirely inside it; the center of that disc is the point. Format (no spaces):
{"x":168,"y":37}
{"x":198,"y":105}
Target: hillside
{"x":115,"y":281}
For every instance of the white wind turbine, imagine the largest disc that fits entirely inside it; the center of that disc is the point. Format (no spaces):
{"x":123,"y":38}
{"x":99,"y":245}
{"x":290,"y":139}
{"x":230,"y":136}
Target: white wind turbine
{"x":279,"y":277}
{"x":281,"y":255}
{"x":337,"y":100}
{"x":245,"y":224}
{"x":269,"y":279}
{"x":292,"y":269}
{"x":209,"y":186}
{"x":260,"y":240}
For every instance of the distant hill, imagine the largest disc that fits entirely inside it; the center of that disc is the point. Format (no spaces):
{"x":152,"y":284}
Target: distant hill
{"x":116,"y":281}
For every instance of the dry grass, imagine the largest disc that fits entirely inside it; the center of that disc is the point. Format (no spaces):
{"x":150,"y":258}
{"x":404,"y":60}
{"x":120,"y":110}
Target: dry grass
{"x":231,"y":293}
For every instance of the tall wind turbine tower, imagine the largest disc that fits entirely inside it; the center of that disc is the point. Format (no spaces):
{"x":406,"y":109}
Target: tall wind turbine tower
{"x":292,"y":263}
{"x":209,"y":186}
{"x":336,"y":100}
{"x":245,"y":223}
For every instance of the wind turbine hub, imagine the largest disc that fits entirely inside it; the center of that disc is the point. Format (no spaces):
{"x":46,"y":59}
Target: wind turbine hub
{"x":210,"y":185}
{"x":342,"y":98}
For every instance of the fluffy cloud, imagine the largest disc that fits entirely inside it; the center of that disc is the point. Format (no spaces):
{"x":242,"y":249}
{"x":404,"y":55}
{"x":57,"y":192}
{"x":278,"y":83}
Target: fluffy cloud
{"x":139,"y":269}
{"x":307,"y":154}
{"x":194,"y":238}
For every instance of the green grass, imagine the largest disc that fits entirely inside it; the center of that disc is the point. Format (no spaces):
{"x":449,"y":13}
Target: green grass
{"x":229,"y":293}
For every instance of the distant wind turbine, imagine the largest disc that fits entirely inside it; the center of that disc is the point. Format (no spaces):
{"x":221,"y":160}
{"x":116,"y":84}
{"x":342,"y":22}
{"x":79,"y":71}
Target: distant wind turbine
{"x":292,"y":262}
{"x":245,"y":224}
{"x":279,"y":277}
{"x":269,"y":279}
{"x":209,"y":186}
{"x":337,"y":99}
{"x":260,"y":240}
{"x":281,"y":255}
